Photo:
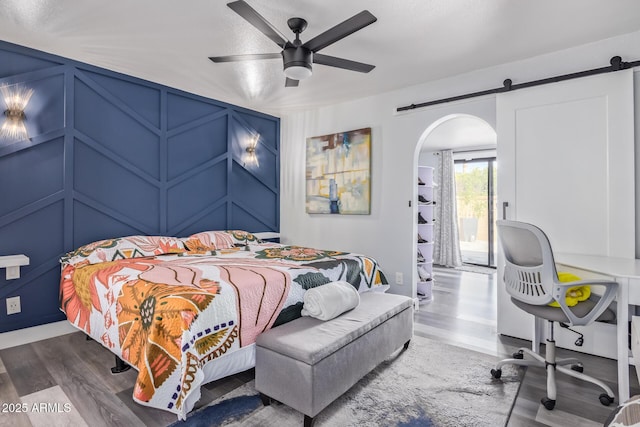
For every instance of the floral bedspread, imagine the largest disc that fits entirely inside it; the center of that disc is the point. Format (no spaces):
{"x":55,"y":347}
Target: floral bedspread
{"x":170,"y":306}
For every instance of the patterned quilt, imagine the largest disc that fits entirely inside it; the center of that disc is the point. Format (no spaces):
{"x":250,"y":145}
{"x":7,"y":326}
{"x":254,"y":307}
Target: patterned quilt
{"x":170,"y":306}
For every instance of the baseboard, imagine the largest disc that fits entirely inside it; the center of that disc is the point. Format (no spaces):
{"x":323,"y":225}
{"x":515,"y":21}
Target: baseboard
{"x":35,"y":333}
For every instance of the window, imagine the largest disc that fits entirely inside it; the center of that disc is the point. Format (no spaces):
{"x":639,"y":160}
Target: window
{"x":476,"y":206}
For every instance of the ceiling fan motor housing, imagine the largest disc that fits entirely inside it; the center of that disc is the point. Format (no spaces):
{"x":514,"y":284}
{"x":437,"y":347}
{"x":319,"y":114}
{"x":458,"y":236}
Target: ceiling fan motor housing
{"x":296,"y":56}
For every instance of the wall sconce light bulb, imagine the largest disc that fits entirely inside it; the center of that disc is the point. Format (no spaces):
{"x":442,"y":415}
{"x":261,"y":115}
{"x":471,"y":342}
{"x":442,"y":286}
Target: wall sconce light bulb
{"x":14,"y":128}
{"x":250,"y":158}
{"x":16,"y":100}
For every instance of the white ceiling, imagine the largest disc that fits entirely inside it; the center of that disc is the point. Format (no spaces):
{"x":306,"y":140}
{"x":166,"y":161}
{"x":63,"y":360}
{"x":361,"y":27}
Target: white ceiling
{"x":413,"y":41}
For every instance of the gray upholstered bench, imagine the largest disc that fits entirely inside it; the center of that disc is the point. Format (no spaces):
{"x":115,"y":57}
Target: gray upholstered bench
{"x":308,"y":363}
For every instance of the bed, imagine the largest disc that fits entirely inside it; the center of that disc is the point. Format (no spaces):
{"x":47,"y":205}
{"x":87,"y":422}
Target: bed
{"x":187,"y":311}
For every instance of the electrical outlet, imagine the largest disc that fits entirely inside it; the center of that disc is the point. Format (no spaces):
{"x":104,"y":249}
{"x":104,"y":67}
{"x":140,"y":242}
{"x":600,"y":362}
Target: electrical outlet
{"x":399,"y":278}
{"x":13,"y":305}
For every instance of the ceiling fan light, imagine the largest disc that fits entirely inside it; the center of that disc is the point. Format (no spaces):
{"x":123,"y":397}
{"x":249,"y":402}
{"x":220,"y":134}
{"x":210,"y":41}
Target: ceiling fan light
{"x":297,"y":72}
{"x":297,"y":62}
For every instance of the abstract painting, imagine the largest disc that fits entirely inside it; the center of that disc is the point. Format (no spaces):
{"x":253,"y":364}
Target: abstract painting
{"x":338,"y":173}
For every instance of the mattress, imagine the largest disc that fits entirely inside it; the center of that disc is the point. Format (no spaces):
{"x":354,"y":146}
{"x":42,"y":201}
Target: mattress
{"x":186,"y":311}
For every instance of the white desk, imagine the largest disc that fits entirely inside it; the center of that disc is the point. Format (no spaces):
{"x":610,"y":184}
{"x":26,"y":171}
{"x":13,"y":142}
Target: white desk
{"x":627,"y":273}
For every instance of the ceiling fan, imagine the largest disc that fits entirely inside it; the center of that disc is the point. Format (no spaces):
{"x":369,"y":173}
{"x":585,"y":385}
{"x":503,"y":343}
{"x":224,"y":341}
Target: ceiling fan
{"x":297,"y":56}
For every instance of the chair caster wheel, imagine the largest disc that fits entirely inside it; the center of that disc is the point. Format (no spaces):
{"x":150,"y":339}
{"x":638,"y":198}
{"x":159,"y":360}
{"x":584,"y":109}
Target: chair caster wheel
{"x":518,"y":355}
{"x":605,"y":399}
{"x":496,"y":373}
{"x":577,"y":368}
{"x":548,"y":403}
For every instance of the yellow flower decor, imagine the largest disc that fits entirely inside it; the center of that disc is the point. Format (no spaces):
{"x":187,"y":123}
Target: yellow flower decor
{"x":574,"y":295}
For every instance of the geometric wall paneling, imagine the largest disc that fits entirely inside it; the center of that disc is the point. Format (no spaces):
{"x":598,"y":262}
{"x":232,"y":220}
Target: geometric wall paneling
{"x":124,"y":106}
{"x":90,"y":224}
{"x":37,"y":298}
{"x":112,"y":155}
{"x":115,"y":185}
{"x":268,"y":171}
{"x":214,"y":218}
{"x":38,"y":234}
{"x":22,"y":186}
{"x":184,"y":109}
{"x":206,"y":137}
{"x":9,"y":147}
{"x":259,"y":183}
{"x":41,"y":298}
{"x":266,"y":128}
{"x":144,"y":100}
{"x":45,"y":110}
{"x":242,"y":219}
{"x":116,"y":127}
{"x":18,"y":63}
{"x":196,"y":192}
{"x":240,"y":138}
{"x":266,"y":210}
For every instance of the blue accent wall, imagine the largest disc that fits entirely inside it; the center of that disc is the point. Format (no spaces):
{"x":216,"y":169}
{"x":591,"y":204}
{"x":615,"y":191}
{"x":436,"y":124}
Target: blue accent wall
{"x":112,"y":155}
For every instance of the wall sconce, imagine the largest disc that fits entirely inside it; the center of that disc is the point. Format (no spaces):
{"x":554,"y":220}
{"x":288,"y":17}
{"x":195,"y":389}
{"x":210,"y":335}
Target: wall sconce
{"x":250,"y":157}
{"x":16,"y":100}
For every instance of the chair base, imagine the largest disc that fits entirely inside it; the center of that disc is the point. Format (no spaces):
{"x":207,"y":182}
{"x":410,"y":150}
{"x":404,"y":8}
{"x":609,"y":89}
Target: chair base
{"x":552,"y":365}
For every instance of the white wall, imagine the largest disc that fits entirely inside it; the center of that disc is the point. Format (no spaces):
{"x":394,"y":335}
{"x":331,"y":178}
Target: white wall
{"x":387,"y":234}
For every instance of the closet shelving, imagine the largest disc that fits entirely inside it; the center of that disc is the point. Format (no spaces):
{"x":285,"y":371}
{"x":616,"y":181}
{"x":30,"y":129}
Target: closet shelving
{"x":425,"y":218}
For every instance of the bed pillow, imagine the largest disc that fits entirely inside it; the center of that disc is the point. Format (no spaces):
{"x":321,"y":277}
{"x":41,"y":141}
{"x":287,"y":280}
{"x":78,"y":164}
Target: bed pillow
{"x":216,"y":240}
{"x":328,"y":301}
{"x":124,"y":247}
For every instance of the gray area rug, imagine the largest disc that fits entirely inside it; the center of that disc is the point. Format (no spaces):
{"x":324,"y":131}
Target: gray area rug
{"x":430,"y":384}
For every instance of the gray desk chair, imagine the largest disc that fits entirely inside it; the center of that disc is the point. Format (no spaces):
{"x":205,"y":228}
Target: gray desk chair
{"x":531,"y":279}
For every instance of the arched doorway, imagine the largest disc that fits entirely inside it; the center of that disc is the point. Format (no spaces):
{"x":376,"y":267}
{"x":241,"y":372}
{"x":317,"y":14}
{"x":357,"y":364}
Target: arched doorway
{"x":473,"y":143}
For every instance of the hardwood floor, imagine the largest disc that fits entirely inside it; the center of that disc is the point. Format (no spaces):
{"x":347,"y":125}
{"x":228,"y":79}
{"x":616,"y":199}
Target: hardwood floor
{"x":74,"y":371}
{"x":463,"y":313}
{"x":68,"y":370}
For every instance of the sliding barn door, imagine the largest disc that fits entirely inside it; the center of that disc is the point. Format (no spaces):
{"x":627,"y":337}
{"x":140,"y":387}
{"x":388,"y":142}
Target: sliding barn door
{"x":566,"y":164}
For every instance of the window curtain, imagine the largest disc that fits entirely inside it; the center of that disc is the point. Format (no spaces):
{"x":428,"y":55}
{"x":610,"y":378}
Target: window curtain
{"x":446,"y":251}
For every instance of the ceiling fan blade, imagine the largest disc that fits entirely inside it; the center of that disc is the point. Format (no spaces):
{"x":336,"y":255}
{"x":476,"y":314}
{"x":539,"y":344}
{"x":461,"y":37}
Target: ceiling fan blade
{"x":247,"y":57}
{"x":340,"y":31}
{"x":332,"y":61}
{"x":254,"y":18}
{"x":291,"y":82}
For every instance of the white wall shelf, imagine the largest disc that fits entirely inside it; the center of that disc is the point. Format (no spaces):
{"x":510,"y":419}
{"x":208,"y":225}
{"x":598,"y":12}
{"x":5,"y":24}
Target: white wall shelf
{"x":267,"y":235}
{"x":12,"y":264}
{"x":426,"y":219}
